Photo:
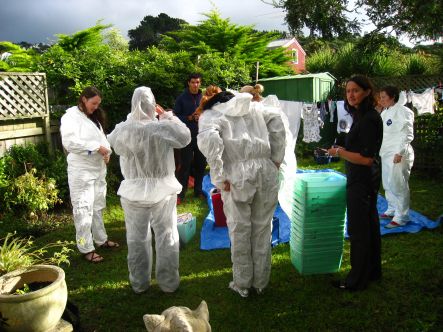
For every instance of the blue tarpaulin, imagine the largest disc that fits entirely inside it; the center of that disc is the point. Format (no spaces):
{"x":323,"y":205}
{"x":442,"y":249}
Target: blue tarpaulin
{"x":214,"y":237}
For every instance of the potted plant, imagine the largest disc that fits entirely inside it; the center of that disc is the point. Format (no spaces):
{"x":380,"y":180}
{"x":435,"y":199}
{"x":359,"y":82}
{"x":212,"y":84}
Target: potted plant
{"x":33,"y":290}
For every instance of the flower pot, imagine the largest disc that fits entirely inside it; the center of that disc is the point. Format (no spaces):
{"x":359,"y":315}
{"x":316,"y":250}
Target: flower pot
{"x":36,"y":311}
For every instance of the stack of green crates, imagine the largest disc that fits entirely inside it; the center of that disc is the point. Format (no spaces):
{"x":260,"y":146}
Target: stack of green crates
{"x":317,"y":222}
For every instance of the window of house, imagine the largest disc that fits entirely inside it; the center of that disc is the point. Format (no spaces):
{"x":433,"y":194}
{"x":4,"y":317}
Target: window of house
{"x":295,"y":55}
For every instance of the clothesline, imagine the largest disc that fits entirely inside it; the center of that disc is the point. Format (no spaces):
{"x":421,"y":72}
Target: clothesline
{"x":422,"y":89}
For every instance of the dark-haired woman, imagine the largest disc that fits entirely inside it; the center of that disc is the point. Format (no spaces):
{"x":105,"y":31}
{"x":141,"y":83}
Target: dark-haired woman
{"x":397,"y":155}
{"x":88,"y":153}
{"x":244,"y":144}
{"x":363,"y":181}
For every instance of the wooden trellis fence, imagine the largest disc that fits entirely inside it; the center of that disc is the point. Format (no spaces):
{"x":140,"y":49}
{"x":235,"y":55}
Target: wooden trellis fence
{"x":410,"y":82}
{"x":24,"y":109}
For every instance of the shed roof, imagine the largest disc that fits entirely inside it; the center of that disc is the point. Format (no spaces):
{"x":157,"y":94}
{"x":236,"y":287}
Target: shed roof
{"x":324,"y":75}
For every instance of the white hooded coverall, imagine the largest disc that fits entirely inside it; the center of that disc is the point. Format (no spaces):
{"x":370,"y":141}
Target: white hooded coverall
{"x":86,"y":176}
{"x":242,"y":141}
{"x":149,"y":190}
{"x":398,"y":133}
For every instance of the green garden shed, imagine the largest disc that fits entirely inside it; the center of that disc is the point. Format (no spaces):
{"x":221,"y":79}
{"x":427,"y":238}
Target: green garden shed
{"x":306,"y":88}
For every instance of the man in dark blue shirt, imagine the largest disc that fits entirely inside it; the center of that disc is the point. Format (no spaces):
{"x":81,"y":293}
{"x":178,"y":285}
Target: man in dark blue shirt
{"x":185,"y":106}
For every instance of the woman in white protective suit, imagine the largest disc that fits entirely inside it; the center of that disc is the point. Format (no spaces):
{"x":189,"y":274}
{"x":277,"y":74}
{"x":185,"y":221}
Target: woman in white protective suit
{"x":397,"y":154}
{"x":88,"y":153}
{"x":244,"y":144}
{"x":149,"y":190}
{"x":288,"y":167}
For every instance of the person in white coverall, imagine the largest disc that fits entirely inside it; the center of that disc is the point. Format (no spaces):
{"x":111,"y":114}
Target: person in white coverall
{"x":244,"y":144}
{"x":397,"y":154}
{"x":288,"y":167}
{"x":149,"y":190}
{"x":88,"y":153}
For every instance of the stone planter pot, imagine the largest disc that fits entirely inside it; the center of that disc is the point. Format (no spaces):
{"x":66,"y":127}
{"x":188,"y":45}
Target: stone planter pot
{"x":36,"y":311}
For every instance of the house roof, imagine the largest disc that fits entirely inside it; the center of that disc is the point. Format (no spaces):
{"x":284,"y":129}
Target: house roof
{"x":285,"y":43}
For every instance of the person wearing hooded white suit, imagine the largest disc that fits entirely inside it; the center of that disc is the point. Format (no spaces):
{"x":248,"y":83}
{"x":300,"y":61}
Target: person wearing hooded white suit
{"x":244,"y":144}
{"x":149,"y":190}
{"x":288,"y":167}
{"x":397,"y":154}
{"x":88,"y":152}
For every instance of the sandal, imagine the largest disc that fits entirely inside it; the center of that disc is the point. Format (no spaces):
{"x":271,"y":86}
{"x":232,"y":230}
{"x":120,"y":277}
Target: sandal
{"x":110,"y":244}
{"x":93,"y":257}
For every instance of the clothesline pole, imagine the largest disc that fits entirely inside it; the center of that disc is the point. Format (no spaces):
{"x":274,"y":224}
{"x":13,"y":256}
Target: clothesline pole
{"x":256,"y":72}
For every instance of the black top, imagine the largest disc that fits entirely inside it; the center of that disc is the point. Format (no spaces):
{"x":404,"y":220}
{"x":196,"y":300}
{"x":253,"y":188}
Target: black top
{"x":365,"y":137}
{"x":185,"y":105}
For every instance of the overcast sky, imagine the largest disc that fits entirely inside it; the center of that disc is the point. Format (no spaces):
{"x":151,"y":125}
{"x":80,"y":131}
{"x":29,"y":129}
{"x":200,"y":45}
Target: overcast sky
{"x":39,"y":20}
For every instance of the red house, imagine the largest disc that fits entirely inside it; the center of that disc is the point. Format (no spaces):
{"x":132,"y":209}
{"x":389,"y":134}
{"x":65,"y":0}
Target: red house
{"x":295,"y":51}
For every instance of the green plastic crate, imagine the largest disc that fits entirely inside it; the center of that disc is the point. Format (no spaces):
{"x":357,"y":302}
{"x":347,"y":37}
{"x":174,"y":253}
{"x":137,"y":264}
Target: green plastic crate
{"x":307,"y":245}
{"x":317,"y":212}
{"x":320,"y":182}
{"x":318,"y":222}
{"x":325,"y":194}
{"x":317,"y":236}
{"x":316,"y":263}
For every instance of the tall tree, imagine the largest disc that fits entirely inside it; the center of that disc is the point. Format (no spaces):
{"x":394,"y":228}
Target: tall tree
{"x":325,"y":19}
{"x":149,"y":32}
{"x":219,"y":36}
{"x":416,"y":18}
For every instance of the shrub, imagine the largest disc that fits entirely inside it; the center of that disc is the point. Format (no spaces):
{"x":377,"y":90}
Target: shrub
{"x":32,"y":182}
{"x":387,"y":64}
{"x":416,"y":65}
{"x":57,"y":170}
{"x":20,"y":158}
{"x":321,"y":61}
{"x":31,"y":195}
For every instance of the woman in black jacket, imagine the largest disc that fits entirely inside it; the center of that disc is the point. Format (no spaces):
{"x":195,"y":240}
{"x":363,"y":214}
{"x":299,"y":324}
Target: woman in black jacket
{"x":363,"y":181}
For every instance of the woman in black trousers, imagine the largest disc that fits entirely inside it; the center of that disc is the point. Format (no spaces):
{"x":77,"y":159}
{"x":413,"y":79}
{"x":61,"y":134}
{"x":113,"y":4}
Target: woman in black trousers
{"x":363,"y":181}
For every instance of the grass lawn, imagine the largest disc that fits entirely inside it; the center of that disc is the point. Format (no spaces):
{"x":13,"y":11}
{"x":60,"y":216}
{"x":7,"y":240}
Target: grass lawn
{"x":408,"y":298}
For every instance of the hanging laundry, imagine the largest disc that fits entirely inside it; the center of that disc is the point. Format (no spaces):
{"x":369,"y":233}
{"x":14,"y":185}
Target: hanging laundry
{"x":293,"y":110}
{"x":423,"y":102}
{"x":311,"y":123}
{"x":344,"y":119}
{"x":323,"y":111}
{"x":332,"y":108}
{"x":439,"y":92}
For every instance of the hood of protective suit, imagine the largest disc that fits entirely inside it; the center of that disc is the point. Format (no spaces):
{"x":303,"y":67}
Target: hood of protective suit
{"x":142,"y":105}
{"x":402,"y":99}
{"x":236,"y":106}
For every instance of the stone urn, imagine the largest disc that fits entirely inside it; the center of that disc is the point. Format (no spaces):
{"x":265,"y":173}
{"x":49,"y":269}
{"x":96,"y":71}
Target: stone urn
{"x":36,"y":310}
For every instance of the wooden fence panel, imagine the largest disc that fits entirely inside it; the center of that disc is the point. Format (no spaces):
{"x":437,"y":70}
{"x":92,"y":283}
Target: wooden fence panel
{"x":24,"y":111}
{"x":410,"y":82}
